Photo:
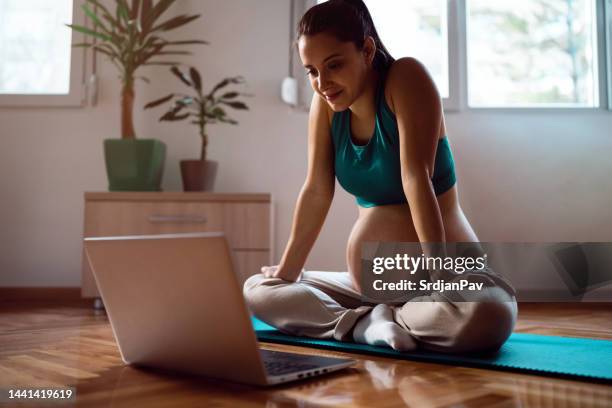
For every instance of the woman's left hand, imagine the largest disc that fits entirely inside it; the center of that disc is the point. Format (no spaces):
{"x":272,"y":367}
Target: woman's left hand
{"x":276,"y":271}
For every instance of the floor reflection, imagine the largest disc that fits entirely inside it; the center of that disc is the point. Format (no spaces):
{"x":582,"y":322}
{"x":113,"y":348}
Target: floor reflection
{"x":58,"y":346}
{"x":371,"y":383}
{"x":543,"y":392}
{"x":457,"y":386}
{"x":128,"y":386}
{"x":376,"y":382}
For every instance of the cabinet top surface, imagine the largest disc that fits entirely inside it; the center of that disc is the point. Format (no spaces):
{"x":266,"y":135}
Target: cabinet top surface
{"x":176,"y":196}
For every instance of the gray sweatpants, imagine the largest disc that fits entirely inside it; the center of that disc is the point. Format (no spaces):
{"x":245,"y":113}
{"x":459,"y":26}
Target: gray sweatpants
{"x":325,"y":305}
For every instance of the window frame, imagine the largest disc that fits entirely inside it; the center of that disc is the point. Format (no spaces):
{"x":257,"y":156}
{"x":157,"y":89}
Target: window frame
{"x":77,"y":93}
{"x":456,"y":45}
{"x":607,"y":70}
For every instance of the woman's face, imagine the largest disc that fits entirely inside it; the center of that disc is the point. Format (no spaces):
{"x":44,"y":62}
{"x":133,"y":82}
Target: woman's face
{"x":337,"y":70}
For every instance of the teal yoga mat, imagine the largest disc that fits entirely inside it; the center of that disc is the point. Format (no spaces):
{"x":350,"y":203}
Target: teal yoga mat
{"x":533,"y":353}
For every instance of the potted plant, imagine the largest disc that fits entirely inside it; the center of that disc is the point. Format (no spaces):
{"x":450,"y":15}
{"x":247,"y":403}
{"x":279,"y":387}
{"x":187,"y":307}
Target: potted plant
{"x":203,"y":109}
{"x":132,"y":37}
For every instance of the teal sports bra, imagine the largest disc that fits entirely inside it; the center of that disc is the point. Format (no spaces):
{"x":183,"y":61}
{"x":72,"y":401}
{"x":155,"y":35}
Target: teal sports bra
{"x":371,"y":172}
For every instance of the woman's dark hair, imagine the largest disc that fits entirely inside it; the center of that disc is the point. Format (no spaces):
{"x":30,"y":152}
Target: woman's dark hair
{"x":347,"y":20}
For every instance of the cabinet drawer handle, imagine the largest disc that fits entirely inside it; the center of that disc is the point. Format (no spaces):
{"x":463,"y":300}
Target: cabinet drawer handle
{"x":157,"y":219}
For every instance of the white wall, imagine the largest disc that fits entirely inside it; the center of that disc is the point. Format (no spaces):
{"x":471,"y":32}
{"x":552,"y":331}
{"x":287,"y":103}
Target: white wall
{"x":522,"y":176}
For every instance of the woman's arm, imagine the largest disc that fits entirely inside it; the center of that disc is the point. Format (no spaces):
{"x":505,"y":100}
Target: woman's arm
{"x":315,"y":197}
{"x":418,"y":109}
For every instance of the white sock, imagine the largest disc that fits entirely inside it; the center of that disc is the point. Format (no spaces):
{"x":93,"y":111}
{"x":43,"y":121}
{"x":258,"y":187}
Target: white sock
{"x":377,"y":328}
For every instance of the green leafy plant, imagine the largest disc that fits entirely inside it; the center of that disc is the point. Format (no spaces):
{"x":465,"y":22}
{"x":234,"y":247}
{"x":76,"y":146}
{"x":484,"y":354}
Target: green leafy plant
{"x":132,"y":37}
{"x":204,"y":109}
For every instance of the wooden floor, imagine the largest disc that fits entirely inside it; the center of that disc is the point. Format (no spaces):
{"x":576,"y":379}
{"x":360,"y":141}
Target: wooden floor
{"x":58,"y":346}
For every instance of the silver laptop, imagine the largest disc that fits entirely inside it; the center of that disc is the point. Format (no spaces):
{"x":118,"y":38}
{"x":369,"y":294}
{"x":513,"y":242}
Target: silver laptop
{"x":174,"y":302}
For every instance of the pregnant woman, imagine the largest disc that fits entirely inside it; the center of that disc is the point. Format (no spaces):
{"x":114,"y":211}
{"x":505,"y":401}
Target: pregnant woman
{"x":377,"y":125}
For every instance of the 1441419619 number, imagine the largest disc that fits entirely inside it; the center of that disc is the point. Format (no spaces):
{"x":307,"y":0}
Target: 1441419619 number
{"x":12,"y":394}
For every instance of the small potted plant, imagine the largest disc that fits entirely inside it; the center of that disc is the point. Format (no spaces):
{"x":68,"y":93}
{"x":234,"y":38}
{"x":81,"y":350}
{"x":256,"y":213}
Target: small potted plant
{"x":131,"y":37}
{"x":203,"y":109}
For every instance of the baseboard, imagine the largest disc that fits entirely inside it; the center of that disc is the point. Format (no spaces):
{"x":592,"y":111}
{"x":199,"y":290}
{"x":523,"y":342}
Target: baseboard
{"x":562,"y":295}
{"x":70,"y":295}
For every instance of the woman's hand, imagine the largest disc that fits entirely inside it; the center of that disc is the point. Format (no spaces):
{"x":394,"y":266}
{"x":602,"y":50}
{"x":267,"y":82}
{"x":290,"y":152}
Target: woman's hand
{"x":276,"y":271}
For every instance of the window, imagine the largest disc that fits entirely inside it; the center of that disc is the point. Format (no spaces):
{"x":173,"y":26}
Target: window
{"x":505,"y":54}
{"x":532,"y":53}
{"x":38,"y":66}
{"x":416,"y":28}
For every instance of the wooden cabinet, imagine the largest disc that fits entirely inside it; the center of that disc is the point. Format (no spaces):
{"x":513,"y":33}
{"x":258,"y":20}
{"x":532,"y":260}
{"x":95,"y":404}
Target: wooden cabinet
{"x":244,"y":218}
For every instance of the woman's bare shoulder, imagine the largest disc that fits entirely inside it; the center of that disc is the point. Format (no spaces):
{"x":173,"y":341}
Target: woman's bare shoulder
{"x":320,"y":107}
{"x":403,"y":76}
{"x":329,"y":111}
{"x":405,"y":68}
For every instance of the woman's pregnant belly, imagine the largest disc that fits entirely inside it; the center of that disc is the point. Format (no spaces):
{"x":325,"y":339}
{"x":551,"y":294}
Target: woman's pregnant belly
{"x":394,"y":223}
{"x":383,"y":223}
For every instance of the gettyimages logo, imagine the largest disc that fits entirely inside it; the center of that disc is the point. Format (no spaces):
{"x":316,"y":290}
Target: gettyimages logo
{"x":396,"y":272}
{"x":412,"y":264}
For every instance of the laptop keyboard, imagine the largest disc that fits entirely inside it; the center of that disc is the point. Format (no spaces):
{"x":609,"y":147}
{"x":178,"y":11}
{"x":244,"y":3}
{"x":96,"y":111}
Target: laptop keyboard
{"x":279,"y":363}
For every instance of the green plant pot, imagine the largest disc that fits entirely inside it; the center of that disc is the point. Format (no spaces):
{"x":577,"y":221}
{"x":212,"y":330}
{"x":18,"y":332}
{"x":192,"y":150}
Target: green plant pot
{"x":134,"y":164}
